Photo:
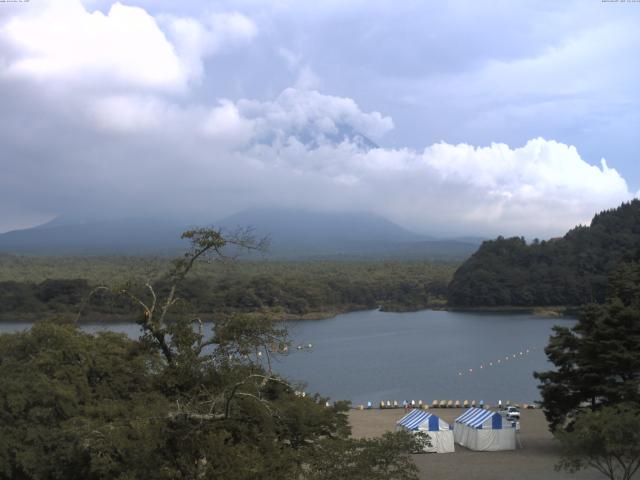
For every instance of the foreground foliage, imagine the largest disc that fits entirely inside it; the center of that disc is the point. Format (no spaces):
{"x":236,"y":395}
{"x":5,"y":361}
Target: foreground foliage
{"x":607,"y":440}
{"x":365,"y":459}
{"x":178,"y":403}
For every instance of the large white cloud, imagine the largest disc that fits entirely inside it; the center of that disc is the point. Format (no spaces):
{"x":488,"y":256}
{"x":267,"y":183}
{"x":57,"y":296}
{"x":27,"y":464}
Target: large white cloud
{"x":65,"y":41}
{"x":541,"y":188}
{"x":126,"y":47}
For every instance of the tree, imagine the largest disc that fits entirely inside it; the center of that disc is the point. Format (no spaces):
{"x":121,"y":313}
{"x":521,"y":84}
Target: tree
{"x":598,"y":360}
{"x":607,"y":440}
{"x":179,"y":403}
{"x":385,"y":458}
{"x":73,"y":405}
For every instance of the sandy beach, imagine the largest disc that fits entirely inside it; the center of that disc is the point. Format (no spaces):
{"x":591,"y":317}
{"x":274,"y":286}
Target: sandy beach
{"x":534,"y":461}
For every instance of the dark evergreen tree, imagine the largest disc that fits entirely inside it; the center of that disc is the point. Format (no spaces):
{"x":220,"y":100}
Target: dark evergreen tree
{"x":598,"y":360}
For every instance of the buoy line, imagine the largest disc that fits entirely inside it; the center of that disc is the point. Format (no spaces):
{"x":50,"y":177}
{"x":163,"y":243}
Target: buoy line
{"x":503,"y":360}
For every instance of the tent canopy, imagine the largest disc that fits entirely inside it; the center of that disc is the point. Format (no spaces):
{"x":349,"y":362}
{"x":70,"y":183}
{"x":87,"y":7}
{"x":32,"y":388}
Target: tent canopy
{"x":440,"y":433}
{"x":484,"y":430}
{"x":480,"y":418}
{"x":420,"y":419}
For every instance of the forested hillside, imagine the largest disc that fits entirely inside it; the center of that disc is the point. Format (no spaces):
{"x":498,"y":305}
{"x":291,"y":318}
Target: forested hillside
{"x":572,"y":270}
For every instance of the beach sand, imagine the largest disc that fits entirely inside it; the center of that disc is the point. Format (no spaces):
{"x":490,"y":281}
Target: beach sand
{"x":534,"y":461}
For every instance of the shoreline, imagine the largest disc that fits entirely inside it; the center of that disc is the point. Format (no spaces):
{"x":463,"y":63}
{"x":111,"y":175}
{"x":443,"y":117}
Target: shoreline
{"x":539,"y":311}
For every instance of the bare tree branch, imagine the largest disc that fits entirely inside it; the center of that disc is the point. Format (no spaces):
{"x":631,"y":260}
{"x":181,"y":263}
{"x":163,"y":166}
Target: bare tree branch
{"x":86,"y":299}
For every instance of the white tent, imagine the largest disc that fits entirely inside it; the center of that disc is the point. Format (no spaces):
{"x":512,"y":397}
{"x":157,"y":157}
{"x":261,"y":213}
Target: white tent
{"x":439,"y":431}
{"x":484,"y":430}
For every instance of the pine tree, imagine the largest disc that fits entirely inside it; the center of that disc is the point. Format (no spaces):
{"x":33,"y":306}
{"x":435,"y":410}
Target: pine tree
{"x":598,"y":360}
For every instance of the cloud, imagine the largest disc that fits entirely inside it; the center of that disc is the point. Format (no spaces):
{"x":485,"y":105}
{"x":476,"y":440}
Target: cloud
{"x":134,"y":111}
{"x":302,"y":148}
{"x":578,"y":86}
{"x":542,"y":188}
{"x":64,"y":41}
{"x":126,"y":47}
{"x":302,"y":112}
{"x":129,"y":113}
{"x":196,"y":40}
{"x":225,"y":125}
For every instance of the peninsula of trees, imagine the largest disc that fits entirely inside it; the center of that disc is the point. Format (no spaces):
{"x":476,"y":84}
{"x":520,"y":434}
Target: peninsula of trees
{"x":568,"y":271}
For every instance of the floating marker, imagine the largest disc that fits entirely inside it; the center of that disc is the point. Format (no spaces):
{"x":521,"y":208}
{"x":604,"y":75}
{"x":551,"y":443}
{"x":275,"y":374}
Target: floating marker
{"x":484,"y":366}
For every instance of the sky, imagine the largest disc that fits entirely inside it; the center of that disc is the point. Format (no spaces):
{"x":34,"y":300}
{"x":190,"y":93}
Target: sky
{"x":450,"y":118}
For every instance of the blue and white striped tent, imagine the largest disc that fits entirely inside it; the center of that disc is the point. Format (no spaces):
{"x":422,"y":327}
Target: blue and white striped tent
{"x":439,"y":431}
{"x":485,"y":430}
{"x":476,"y":418}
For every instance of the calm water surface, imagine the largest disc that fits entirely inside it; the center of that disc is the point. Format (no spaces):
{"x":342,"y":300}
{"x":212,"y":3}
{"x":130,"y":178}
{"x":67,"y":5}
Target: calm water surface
{"x":373,"y":355}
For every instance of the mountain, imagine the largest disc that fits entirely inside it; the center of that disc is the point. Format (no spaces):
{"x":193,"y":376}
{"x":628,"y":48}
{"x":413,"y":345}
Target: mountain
{"x":572,"y":270}
{"x":352,"y":235}
{"x":106,"y":237}
{"x":313,"y":139}
{"x":294,"y":234}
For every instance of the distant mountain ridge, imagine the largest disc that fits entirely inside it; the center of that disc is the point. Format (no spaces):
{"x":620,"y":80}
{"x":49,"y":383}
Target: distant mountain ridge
{"x":293,"y":233}
{"x":321,"y":233}
{"x":109,"y":237}
{"x":572,"y":270}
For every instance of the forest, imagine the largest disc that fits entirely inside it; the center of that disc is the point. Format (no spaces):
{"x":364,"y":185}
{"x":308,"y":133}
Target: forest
{"x":568,"y":271}
{"x":33,"y":287}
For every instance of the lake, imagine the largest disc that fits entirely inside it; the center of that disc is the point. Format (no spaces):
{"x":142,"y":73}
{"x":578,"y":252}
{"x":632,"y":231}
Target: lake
{"x":372,"y":355}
